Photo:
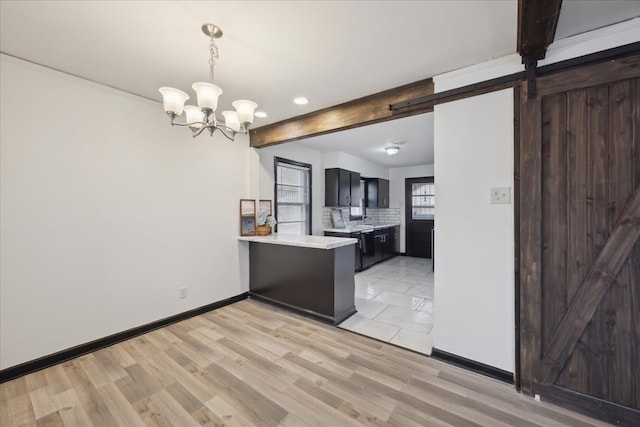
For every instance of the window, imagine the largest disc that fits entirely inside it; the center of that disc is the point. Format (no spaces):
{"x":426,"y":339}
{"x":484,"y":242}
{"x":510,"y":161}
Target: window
{"x":423,"y":200}
{"x":292,"y":197}
{"x":357,"y":212}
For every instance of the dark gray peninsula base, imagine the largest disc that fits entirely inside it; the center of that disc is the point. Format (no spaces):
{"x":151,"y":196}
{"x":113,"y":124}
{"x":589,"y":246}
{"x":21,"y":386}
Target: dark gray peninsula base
{"x":309,"y":274}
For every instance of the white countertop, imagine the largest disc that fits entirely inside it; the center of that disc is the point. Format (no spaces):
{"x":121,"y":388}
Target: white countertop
{"x":357,"y":228}
{"x":316,"y":242}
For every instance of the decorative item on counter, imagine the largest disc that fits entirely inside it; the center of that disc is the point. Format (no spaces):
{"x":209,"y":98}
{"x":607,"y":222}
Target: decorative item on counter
{"x":337,"y":218}
{"x":265,"y":222}
{"x":247,"y":217}
{"x":266,"y":205}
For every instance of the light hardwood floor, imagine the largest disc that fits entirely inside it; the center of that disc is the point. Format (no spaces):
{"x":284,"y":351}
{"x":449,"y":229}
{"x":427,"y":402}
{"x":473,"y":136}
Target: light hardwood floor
{"x":249,"y":364}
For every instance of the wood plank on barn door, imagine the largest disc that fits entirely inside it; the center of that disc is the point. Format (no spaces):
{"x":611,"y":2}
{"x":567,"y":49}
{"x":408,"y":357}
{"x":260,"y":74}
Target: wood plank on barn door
{"x":576,"y":256}
{"x":530,"y":234}
{"x":598,"y":231}
{"x":634,"y":277}
{"x":622,"y":296}
{"x":554,"y":218}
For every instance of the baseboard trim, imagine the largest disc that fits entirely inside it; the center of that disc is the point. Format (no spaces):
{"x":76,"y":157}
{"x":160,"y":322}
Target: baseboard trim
{"x":25,"y":368}
{"x":339,"y":318}
{"x":597,"y":408}
{"x":472,"y":365}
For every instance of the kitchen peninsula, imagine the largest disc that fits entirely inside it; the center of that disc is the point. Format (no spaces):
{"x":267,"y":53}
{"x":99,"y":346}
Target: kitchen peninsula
{"x":309,"y":274}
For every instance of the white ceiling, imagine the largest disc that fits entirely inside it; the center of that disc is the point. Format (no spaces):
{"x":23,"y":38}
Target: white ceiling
{"x":273,"y":51}
{"x":580,"y":16}
{"x":368,"y":142}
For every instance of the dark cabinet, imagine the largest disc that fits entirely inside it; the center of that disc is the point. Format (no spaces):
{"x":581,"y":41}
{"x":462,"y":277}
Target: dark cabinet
{"x":377,"y":193}
{"x":341,"y":188}
{"x":354,"y":235}
{"x":378,"y":241}
{"x":373,"y":246}
{"x":385,"y":243}
{"x":396,"y":240}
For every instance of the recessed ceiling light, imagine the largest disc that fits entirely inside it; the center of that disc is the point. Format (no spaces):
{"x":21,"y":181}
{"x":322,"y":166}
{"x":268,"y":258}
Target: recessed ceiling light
{"x":301,"y":100}
{"x":260,"y":114}
{"x":391,"y":150}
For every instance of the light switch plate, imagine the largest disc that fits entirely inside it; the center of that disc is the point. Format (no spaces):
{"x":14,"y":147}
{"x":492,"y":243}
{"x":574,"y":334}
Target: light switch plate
{"x":500,"y":195}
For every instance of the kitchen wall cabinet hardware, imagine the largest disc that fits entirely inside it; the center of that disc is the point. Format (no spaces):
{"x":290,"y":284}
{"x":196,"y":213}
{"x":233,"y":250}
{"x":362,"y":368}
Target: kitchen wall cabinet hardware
{"x":341,"y":188}
{"x":377,"y":193}
{"x":384,"y":241}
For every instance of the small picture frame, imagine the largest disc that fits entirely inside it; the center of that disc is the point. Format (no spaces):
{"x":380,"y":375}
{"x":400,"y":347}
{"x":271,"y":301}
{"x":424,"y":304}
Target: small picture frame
{"x":266,"y":205}
{"x":247,"y":217}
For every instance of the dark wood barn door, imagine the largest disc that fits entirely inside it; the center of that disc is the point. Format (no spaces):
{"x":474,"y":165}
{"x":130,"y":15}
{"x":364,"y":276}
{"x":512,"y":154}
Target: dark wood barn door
{"x":579,"y":239}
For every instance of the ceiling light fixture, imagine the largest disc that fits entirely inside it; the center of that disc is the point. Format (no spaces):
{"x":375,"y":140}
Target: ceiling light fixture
{"x":204,"y":115}
{"x":301,"y":100}
{"x":391,"y":150}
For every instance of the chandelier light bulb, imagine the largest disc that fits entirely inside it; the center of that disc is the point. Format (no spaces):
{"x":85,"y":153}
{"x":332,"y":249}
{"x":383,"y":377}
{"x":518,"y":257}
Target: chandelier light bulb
{"x":194,"y":115}
{"x":245,"y":110}
{"x":231,"y":120}
{"x":208,"y":94}
{"x":173,"y":100}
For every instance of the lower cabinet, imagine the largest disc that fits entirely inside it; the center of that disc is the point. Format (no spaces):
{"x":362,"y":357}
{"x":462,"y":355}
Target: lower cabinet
{"x":378,"y":249}
{"x":385,"y":243}
{"x":396,"y":242}
{"x":358,"y":262}
{"x":373,"y":247}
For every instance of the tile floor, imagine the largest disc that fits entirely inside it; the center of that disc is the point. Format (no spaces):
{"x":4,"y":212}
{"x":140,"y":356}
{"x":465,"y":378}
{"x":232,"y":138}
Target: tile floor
{"x":394,"y":300}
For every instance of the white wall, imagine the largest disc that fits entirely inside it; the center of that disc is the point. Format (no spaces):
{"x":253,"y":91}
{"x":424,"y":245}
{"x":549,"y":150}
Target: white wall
{"x":397,"y":178}
{"x":571,"y":47}
{"x":297,"y":153}
{"x":105,"y":211}
{"x":367,"y":169}
{"x":474,"y":241}
{"x":604,"y":38}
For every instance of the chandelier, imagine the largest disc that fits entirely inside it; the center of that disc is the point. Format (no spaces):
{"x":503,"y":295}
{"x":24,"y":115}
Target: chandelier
{"x":204,"y":115}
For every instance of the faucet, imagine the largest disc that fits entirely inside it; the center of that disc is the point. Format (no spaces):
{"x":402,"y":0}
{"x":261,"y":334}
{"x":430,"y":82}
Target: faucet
{"x":364,"y":219}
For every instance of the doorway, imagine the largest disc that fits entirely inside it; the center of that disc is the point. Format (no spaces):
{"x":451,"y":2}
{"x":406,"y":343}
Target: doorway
{"x":419,"y":216}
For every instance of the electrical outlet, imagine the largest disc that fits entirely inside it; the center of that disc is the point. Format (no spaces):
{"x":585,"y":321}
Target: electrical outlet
{"x":182,"y":292}
{"x":500,"y":195}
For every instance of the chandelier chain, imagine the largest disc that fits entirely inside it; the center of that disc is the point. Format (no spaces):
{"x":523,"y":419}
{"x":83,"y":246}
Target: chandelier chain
{"x":213,"y":51}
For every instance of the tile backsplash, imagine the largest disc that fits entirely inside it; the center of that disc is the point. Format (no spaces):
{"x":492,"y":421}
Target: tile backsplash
{"x":374,"y":216}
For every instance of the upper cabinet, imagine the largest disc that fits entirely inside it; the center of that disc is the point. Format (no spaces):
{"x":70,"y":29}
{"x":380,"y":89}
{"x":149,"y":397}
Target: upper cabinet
{"x":377,"y":193}
{"x":341,"y":188}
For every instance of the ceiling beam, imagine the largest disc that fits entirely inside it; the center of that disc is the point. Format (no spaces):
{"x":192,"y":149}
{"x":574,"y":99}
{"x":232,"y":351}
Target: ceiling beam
{"x":360,"y":112}
{"x":537,"y":21}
